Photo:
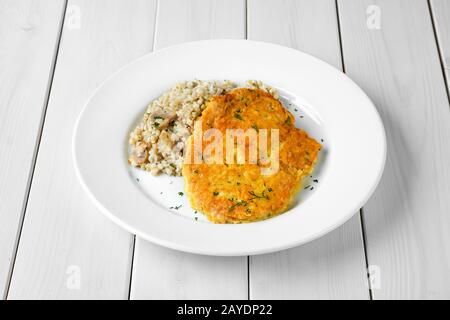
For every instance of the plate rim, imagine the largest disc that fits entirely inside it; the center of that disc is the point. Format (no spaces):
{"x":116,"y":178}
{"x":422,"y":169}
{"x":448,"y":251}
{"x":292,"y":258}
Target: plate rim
{"x":171,"y":245}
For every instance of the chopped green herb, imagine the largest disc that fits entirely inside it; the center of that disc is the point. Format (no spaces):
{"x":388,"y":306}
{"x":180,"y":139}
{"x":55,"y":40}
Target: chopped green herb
{"x":180,"y":194}
{"x":173,"y":165}
{"x":196,"y":218}
{"x":288,"y":121}
{"x":215,"y":193}
{"x":254,"y":126}
{"x":307,"y":187}
{"x":315,"y":180}
{"x":237,"y":204}
{"x":270,"y":189}
{"x":238,"y":116}
{"x":256,"y":196}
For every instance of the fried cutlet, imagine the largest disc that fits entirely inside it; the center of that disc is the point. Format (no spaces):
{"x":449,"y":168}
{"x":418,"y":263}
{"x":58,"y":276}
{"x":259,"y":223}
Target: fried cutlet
{"x":235,"y":193}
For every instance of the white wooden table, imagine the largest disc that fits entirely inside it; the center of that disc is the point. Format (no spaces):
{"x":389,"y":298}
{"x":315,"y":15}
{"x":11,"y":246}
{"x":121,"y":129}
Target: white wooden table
{"x":55,"y":244}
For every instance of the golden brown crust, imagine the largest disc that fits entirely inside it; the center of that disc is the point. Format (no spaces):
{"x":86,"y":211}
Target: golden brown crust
{"x":233,"y":193}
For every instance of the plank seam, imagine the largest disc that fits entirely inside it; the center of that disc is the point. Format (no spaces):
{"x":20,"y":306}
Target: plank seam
{"x":363,"y":229}
{"x":364,"y":239}
{"x":341,"y":47}
{"x":246,"y":19}
{"x":130,"y":283}
{"x":248,"y":278}
{"x":36,"y":150}
{"x":155,"y":33}
{"x":133,"y":250}
{"x":441,"y":58}
{"x":248,"y":257}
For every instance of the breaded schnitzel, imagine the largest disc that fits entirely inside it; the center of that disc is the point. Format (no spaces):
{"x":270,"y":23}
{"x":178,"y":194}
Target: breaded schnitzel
{"x":230,"y":192}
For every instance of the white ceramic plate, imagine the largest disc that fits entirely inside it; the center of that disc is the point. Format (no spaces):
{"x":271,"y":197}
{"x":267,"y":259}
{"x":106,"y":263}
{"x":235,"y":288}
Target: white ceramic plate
{"x":327,"y":104}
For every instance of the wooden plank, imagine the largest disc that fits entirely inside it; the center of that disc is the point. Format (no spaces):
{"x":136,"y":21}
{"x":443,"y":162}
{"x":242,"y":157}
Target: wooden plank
{"x":441,"y":14}
{"x":332,"y":267}
{"x":407,"y":219}
{"x":68,"y":249}
{"x":29,"y":33}
{"x":160,"y":273}
{"x":182,"y":21}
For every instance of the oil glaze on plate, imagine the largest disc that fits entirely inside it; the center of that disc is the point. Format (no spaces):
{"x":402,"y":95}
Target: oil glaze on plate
{"x":325,"y":102}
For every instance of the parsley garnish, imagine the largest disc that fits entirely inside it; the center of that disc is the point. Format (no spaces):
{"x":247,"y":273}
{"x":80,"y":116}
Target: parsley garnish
{"x":256,"y":196}
{"x":237,"y":204}
{"x":288,"y":121}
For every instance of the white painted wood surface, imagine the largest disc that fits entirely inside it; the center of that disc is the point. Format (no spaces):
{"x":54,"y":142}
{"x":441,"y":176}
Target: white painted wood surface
{"x":441,"y":14}
{"x":29,"y":33}
{"x":182,"y":21}
{"x":160,"y":273}
{"x":64,"y":236}
{"x":407,"y":220}
{"x":332,"y":267}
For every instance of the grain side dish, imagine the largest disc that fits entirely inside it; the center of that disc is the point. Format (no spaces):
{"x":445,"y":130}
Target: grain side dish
{"x":157,"y":142}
